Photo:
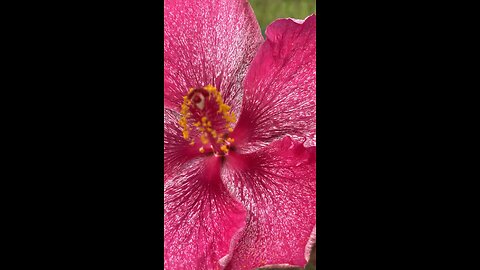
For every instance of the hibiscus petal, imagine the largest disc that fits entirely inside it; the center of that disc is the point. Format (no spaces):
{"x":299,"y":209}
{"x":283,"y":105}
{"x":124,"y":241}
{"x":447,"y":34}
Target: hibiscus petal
{"x":208,"y":42}
{"x":200,"y":217}
{"x":177,"y":150}
{"x":277,"y":187}
{"x":311,"y":244}
{"x":279,"y":95}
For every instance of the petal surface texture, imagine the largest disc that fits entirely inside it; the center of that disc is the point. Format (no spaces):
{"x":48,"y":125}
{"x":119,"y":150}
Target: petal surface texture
{"x":208,"y":42}
{"x":277,"y":187}
{"x":279,"y":95}
{"x":177,"y":150}
{"x":200,"y":217}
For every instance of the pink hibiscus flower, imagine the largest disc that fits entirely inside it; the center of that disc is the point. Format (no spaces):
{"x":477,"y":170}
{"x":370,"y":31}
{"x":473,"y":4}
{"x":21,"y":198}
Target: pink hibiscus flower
{"x":239,"y":144}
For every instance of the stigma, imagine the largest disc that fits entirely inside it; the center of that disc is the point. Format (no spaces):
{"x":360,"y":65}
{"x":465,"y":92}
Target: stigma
{"x":206,"y":120}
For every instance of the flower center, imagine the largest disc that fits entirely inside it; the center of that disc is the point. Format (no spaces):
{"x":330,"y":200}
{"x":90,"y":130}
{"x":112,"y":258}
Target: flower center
{"x":203,"y":108}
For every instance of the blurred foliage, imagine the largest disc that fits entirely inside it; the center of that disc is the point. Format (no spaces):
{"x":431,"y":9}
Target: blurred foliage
{"x":269,"y":10}
{"x":312,"y":262}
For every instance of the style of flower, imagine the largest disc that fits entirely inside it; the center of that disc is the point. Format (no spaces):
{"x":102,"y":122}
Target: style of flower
{"x":239,"y":142}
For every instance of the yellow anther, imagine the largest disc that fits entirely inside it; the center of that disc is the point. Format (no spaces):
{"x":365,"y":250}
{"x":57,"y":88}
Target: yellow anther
{"x":204,"y":138}
{"x":211,"y":89}
{"x":182,"y":123}
{"x":201,"y":150}
{"x":207,"y":129}
{"x":223,"y":108}
{"x":230,"y":118}
{"x":183,"y":119}
{"x":224,"y":148}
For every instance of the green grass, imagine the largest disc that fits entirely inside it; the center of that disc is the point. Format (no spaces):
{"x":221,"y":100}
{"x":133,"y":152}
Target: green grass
{"x":269,"y":10}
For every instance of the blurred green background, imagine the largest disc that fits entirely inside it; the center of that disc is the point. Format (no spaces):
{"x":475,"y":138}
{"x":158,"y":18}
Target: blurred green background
{"x":269,"y":10}
{"x":266,"y":12}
